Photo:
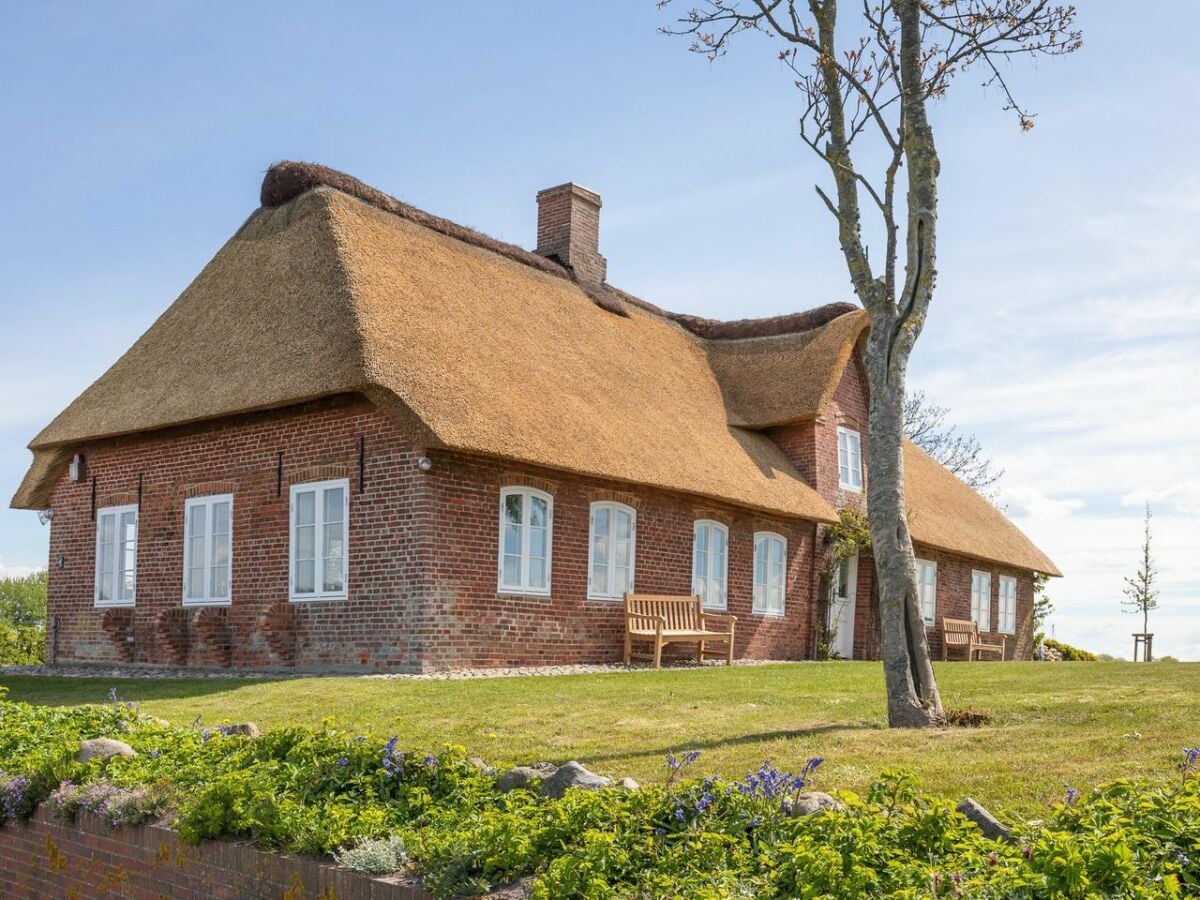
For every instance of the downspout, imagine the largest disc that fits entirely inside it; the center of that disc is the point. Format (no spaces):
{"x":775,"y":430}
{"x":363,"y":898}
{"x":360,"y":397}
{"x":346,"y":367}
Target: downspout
{"x":53,"y":640}
{"x":815,"y":605}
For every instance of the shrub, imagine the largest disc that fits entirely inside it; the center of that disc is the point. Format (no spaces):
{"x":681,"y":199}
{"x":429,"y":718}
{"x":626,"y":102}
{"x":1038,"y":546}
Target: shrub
{"x":1069,"y":653}
{"x":321,"y":791}
{"x":21,"y":645}
{"x":375,"y":857}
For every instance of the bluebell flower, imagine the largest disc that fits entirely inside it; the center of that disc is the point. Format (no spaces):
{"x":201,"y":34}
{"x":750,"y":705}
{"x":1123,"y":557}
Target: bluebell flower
{"x":1182,"y":858}
{"x":155,"y":754}
{"x":343,"y":761}
{"x":431,"y":761}
{"x":1072,"y":795}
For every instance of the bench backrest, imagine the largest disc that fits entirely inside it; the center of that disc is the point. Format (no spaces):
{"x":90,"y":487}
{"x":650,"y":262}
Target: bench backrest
{"x":959,"y":631}
{"x":680,"y":613}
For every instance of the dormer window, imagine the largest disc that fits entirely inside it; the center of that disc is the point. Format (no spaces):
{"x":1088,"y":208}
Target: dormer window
{"x":849,"y":460}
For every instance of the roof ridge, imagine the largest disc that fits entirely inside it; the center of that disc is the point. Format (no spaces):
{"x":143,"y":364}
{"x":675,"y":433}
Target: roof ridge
{"x":287,"y":179}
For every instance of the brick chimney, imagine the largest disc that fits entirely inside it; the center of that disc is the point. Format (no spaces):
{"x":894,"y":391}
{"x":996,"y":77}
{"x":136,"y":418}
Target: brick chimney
{"x":568,"y":230}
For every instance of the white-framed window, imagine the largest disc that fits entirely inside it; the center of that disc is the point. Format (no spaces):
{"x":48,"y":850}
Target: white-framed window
{"x":612,"y":535}
{"x":116,"y":555}
{"x":710,"y":563}
{"x":1007,"y":610}
{"x":770,"y":573}
{"x":320,"y":539}
{"x":849,"y":459}
{"x":207,"y":549}
{"x":927,"y":590}
{"x":526,"y":529}
{"x":981,"y":599}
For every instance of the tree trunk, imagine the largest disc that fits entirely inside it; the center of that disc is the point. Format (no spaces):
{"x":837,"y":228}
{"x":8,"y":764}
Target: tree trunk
{"x":913,"y":699}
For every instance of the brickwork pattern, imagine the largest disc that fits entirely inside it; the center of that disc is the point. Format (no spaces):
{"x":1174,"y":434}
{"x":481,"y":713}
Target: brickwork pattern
{"x":44,"y":858}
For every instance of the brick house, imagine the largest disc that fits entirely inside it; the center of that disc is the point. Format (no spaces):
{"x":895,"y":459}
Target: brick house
{"x":366,"y":438}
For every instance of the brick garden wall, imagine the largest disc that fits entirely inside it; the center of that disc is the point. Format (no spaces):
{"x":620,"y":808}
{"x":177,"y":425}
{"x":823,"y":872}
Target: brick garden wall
{"x":43,"y":859}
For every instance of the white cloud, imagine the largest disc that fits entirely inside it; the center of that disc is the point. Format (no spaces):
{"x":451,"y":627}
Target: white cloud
{"x":1183,"y":498}
{"x":7,"y":571}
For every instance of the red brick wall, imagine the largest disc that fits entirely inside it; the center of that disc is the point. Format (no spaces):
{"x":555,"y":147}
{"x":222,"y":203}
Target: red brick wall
{"x":44,"y":858}
{"x":953,"y":601}
{"x":373,"y":628}
{"x":422,"y":553}
{"x":478,"y":626}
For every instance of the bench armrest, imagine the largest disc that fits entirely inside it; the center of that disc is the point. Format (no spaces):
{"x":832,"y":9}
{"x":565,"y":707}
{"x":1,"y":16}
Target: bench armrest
{"x":719,"y":617}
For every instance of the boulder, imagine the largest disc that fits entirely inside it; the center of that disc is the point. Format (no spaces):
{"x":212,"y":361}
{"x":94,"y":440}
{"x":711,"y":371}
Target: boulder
{"x":573,"y":775}
{"x":103,"y":748}
{"x":628,"y":784}
{"x":524,"y":776}
{"x":988,"y":824}
{"x":246,"y":729}
{"x":810,"y":802}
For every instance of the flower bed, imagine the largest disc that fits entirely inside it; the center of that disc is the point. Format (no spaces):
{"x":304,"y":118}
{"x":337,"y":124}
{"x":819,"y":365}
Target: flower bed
{"x":327,"y":793}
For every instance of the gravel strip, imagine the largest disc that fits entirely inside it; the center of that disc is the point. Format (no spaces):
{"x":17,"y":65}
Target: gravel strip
{"x":136,"y":671}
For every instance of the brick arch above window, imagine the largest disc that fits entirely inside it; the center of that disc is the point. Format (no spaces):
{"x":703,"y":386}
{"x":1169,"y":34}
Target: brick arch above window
{"x":606,"y":496}
{"x":204,"y":488}
{"x":117,"y":498}
{"x":328,"y":472}
{"x":713,"y":515}
{"x":520,"y":479}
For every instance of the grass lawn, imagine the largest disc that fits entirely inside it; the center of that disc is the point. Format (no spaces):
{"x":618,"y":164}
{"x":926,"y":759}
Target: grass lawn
{"x":1074,"y":723}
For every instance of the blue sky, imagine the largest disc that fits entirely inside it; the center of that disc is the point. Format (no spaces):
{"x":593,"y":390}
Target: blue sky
{"x":1066,"y":326}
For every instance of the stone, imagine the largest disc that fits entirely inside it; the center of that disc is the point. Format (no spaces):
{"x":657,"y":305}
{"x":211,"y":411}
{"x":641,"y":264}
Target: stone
{"x":628,"y":784}
{"x":481,"y":765}
{"x":524,"y":776}
{"x":988,"y":824}
{"x":573,"y":775}
{"x":246,"y":729}
{"x":103,"y":748}
{"x":521,"y":889}
{"x":812,"y":802}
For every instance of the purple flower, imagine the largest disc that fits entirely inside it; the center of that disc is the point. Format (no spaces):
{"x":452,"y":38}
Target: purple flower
{"x":1027,"y":852}
{"x":155,"y":754}
{"x":343,"y":761}
{"x":1072,"y":795}
{"x":431,"y":761}
{"x":1182,"y":859}
{"x":392,"y":762}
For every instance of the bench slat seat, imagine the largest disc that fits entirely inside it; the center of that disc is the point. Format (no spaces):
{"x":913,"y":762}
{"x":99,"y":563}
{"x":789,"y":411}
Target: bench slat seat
{"x":964,"y":634}
{"x":663,"y":619}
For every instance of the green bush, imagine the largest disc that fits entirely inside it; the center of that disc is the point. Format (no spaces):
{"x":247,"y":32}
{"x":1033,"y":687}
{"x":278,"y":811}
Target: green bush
{"x":1069,"y":653}
{"x":21,"y":645}
{"x":323,"y":791}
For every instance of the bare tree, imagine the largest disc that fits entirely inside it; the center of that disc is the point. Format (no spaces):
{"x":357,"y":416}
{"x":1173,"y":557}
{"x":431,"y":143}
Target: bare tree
{"x":925,"y":425}
{"x":870,"y":78}
{"x":1140,"y":593}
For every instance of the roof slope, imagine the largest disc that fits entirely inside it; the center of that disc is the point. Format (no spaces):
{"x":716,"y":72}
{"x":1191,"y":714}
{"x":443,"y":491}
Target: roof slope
{"x":944,"y":512}
{"x":478,"y":351}
{"x":333,"y":287}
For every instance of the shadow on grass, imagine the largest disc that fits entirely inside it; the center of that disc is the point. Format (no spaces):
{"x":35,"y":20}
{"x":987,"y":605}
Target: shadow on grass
{"x":738,"y":740}
{"x":49,"y":690}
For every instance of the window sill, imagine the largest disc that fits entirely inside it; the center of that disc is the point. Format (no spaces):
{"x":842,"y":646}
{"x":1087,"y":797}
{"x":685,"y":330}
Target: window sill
{"x":851,"y":489}
{"x":532,"y":595}
{"x":767,"y":614}
{"x":605,"y":598}
{"x":124,"y":604}
{"x":316,"y":598}
{"x":190,"y":603}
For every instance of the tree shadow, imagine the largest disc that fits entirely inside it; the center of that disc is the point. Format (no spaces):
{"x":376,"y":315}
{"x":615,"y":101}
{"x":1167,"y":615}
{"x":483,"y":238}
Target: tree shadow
{"x":52,"y":690}
{"x":738,"y":740}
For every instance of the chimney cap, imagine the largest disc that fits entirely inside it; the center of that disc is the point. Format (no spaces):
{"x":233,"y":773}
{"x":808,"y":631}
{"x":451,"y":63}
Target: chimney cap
{"x":572,"y":187}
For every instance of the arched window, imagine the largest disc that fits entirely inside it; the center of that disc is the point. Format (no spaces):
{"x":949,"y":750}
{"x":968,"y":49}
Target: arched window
{"x":710,"y":563}
{"x":770,"y":573}
{"x":611,"y":538}
{"x":526,"y":520}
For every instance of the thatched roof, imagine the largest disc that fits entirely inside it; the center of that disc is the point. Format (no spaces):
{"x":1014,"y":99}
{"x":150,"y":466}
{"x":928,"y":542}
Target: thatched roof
{"x":476,"y":345}
{"x":945,"y":513}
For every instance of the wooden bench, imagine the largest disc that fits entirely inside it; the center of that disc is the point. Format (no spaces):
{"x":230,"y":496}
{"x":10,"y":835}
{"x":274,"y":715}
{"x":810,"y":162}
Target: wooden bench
{"x":964,"y":633}
{"x":668,"y":620}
